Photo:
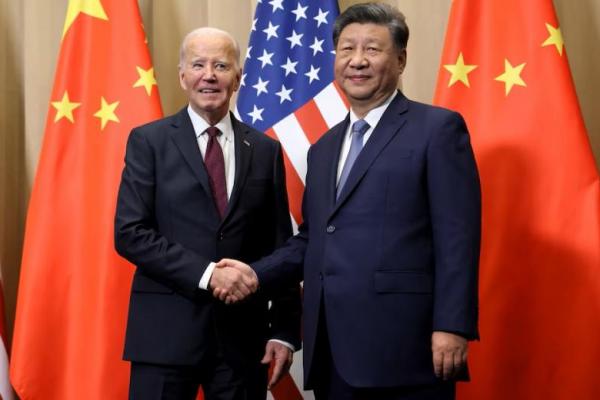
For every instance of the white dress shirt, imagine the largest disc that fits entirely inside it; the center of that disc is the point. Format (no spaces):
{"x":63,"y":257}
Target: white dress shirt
{"x":226,"y":140}
{"x":372,"y":119}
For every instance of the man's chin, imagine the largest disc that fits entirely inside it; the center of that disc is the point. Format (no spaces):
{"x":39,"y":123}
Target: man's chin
{"x":360,"y":96}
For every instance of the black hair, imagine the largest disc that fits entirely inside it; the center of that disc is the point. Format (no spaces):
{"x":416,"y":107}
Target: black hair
{"x":375,"y":13}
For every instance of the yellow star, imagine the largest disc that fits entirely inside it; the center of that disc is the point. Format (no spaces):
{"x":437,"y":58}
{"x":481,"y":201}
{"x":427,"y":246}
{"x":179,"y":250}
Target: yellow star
{"x":146,"y":80}
{"x":555,"y":38}
{"x":64,"y":108}
{"x":93,"y":8}
{"x":107,"y":112}
{"x":459,"y":71}
{"x":511,"y":76}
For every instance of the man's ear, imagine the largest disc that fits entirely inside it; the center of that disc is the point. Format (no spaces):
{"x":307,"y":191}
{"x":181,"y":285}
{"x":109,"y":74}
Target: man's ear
{"x":181,"y":80}
{"x":402,"y":60}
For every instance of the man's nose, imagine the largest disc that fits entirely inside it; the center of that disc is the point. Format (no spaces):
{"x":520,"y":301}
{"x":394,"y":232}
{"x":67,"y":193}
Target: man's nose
{"x":209,"y":73}
{"x":358,"y":59}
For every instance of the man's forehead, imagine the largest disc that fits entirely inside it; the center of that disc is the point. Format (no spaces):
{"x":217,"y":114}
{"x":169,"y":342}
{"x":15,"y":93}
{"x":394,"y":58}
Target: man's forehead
{"x":209,"y":50}
{"x":367,"y":31}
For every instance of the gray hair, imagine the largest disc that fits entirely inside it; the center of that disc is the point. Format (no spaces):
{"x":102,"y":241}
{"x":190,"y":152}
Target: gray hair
{"x":207,"y":31}
{"x":375,"y":13}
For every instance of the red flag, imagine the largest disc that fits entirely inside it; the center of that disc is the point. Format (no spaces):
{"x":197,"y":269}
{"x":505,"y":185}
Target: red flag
{"x":74,"y":288}
{"x":505,"y":68}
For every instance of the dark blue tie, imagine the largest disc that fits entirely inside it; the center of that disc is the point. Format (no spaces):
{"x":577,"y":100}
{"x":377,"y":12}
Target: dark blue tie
{"x":358,"y":132}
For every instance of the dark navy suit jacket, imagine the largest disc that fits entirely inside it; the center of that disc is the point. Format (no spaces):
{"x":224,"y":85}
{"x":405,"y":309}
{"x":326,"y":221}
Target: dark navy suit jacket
{"x":396,"y":256}
{"x":168,"y":226}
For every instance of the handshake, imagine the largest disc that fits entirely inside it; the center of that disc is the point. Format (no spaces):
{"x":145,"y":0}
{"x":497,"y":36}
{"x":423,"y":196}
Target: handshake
{"x":232,"y":281}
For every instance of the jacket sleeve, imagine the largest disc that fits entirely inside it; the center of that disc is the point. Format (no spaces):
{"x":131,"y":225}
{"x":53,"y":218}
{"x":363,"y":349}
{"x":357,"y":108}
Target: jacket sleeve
{"x":285,"y":310}
{"x":137,"y":237}
{"x":455,"y":207}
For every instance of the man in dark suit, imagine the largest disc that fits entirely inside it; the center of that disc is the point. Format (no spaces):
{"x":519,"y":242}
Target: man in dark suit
{"x":389,"y":247}
{"x":199,"y":186}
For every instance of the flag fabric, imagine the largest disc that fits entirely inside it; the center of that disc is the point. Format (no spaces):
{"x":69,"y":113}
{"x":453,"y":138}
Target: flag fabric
{"x":288,"y":92}
{"x":74,"y":288}
{"x":6,"y":392}
{"x":504,"y":67}
{"x":287,"y":88}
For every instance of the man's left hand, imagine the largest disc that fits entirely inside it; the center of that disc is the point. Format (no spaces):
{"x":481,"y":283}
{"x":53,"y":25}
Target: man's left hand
{"x":449,"y":354}
{"x":282,"y":358}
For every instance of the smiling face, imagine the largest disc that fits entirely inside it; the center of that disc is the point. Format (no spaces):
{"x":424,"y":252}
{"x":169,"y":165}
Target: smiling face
{"x":209,"y":72}
{"x":367,"y":65}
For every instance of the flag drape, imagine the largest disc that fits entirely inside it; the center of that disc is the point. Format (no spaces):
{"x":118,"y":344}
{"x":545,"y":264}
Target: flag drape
{"x":288,"y":92}
{"x":287,"y":86}
{"x":504,"y":67}
{"x":74,"y":288}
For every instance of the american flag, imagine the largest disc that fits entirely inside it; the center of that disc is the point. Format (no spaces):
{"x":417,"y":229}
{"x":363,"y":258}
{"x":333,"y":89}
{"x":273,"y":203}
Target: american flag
{"x":287,"y":88}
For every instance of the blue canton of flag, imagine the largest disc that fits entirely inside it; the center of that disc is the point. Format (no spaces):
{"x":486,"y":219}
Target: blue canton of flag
{"x":287,"y":88}
{"x":289,"y":59}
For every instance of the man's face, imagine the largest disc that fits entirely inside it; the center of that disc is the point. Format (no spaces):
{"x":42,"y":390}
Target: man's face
{"x":367,"y":65}
{"x":209,"y":74}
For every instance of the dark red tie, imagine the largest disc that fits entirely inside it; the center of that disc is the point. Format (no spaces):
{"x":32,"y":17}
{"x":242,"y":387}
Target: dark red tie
{"x":215,"y":167}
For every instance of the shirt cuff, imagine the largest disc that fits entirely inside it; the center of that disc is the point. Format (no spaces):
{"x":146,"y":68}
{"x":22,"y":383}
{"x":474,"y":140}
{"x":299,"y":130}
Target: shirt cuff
{"x":286,"y":344}
{"x":205,"y":280}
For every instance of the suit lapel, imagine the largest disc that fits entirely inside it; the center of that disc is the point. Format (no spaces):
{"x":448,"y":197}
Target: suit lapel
{"x":391,"y":122}
{"x":185,"y":139}
{"x":243,"y":156}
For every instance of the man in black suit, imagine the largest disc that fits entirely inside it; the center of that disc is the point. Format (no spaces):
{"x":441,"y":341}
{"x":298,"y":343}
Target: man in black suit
{"x":198,"y":186}
{"x":389,"y":246}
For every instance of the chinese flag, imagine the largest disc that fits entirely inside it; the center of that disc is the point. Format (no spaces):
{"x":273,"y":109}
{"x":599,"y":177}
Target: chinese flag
{"x":74,"y":289}
{"x":504,"y":67}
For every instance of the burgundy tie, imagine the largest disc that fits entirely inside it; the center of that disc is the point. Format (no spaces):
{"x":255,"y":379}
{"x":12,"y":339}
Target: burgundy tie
{"x":215,"y":167}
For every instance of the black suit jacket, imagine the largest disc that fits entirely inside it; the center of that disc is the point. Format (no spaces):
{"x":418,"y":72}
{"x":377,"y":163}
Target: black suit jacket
{"x":168,"y":226}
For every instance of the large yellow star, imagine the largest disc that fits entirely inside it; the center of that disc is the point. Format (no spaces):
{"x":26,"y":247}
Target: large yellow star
{"x":511,"y":76}
{"x":147,"y":79}
{"x":64,"y":108}
{"x":555,"y":38}
{"x":93,"y":8}
{"x":459,"y":71}
{"x":107,"y":112}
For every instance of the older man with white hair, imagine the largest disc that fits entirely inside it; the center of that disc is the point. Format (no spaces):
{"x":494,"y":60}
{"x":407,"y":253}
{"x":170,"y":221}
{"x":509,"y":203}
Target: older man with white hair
{"x":199,"y":186}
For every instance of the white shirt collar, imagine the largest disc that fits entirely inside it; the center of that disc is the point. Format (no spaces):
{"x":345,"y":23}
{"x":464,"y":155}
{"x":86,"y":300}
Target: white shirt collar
{"x":200,"y":125}
{"x":375,"y":114}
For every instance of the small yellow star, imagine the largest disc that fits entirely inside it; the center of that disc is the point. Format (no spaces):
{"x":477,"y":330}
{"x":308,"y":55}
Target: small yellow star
{"x":64,"y":108}
{"x":459,"y":71}
{"x":107,"y":112}
{"x":555,"y":38}
{"x":93,"y":8}
{"x":147,"y":79}
{"x":511,"y":76}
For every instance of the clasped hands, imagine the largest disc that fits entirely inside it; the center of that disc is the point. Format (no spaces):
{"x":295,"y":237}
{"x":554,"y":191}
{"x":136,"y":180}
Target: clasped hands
{"x":232,"y":281}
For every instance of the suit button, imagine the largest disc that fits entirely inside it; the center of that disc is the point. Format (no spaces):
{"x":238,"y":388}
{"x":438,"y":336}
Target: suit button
{"x":330,"y":229}
{"x":320,"y":275}
{"x":221,"y":236}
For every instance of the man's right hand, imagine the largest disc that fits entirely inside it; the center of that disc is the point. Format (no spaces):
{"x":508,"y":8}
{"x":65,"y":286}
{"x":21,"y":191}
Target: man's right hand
{"x":232,"y":281}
